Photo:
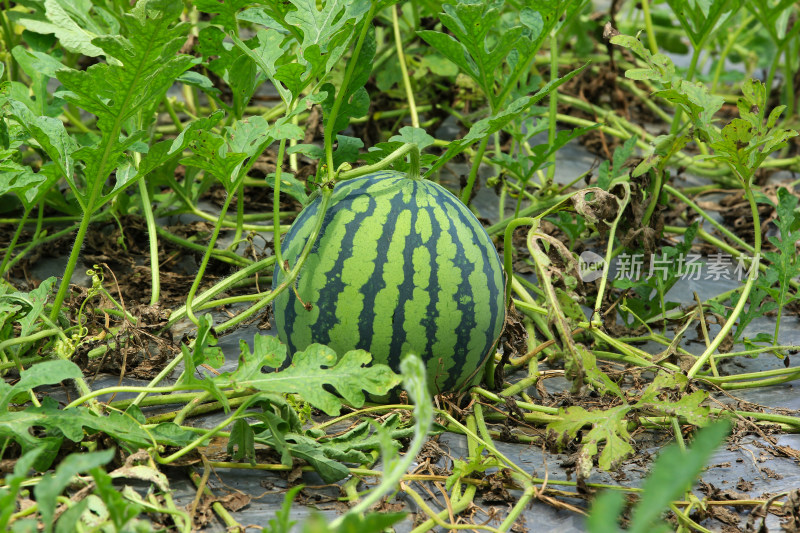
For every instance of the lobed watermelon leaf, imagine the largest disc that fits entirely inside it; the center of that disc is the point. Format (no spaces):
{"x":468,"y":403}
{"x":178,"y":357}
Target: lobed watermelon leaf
{"x":608,"y":426}
{"x":74,"y":422}
{"x":317,"y":366}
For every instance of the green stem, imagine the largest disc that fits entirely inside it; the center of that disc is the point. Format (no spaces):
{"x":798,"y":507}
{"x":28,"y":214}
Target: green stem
{"x":276,"y":204}
{"x":204,"y":263}
{"x":725,"y":231}
{"x":732,"y":38}
{"x":508,"y":250}
{"x":70,"y":268}
{"x":401,"y":58}
{"x":596,"y":320}
{"x":701,"y":361}
{"x":172,"y":115}
{"x":648,"y":23}
{"x":553,"y":108}
{"x":337,"y":104}
{"x":147,"y":209}
{"x":13,"y":243}
{"x":291,"y":276}
{"x":220,"y":255}
{"x":222,"y":286}
{"x":519,"y":506}
{"x":237,"y":234}
{"x":655,"y":193}
{"x":473,"y":172}
{"x":384,"y":163}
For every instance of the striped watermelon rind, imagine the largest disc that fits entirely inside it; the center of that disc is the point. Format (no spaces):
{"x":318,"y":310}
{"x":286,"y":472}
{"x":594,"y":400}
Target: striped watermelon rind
{"x":400,"y":265}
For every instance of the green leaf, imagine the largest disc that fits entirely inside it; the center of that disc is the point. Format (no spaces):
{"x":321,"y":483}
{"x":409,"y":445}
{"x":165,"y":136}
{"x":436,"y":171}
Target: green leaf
{"x":351,"y":447}
{"x":605,"y":511}
{"x":37,"y":299}
{"x":282,"y":523}
{"x":291,"y":185}
{"x":687,"y":407}
{"x":291,"y":76}
{"x":204,"y":351}
{"x":326,"y":31}
{"x":270,"y":47}
{"x":480,"y":42}
{"x":195,"y":79}
{"x":411,"y":135}
{"x":450,"y":48}
{"x":146,"y":65}
{"x":701,"y":18}
{"x":67,"y":522}
{"x":120,"y":510}
{"x":72,"y":424}
{"x":609,"y":426}
{"x":225,"y":11}
{"x":51,"y":486}
{"x":355,"y":99}
{"x":241,"y":443}
{"x":61,"y":23}
{"x":44,"y":373}
{"x":48,"y":132}
{"x":346,"y":150}
{"x":267,"y":351}
{"x":784,"y":264}
{"x":353,"y":523}
{"x":672,"y":473}
{"x":542,"y":152}
{"x":24,"y":183}
{"x":317,"y":366}
{"x":13,"y":482}
{"x":476,"y":463}
{"x":40,"y":68}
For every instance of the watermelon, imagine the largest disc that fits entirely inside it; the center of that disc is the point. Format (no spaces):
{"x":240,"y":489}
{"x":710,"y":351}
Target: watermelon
{"x":400,"y":265}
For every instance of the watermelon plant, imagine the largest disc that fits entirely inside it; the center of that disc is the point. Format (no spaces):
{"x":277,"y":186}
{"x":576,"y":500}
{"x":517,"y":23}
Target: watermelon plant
{"x":330,"y":185}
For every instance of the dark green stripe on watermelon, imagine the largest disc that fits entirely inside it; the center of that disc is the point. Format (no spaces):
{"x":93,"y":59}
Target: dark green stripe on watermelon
{"x":400,"y":266}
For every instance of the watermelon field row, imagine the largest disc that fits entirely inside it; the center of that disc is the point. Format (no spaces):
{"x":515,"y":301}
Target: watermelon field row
{"x":416,"y":265}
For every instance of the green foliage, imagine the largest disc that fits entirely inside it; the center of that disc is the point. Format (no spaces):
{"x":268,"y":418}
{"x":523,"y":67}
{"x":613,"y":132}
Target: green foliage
{"x":743,"y":144}
{"x":670,"y":476}
{"x":317,"y":523}
{"x":74,"y":423}
{"x":51,"y":485}
{"x":472,"y":24}
{"x":316,"y":366}
{"x":610,"y":426}
{"x":773,"y":290}
{"x":110,"y":109}
{"x":13,"y":485}
{"x":353,"y":523}
{"x":523,"y":167}
{"x":608,"y":171}
{"x":667,"y":268}
{"x":700,"y":18}
{"x":784,"y":264}
{"x":478,"y":463}
{"x":145,"y":67}
{"x":74,"y":23}
{"x":499,"y":120}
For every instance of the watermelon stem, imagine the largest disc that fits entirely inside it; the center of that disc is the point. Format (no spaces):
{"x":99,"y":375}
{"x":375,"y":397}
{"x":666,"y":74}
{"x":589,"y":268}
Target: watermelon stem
{"x":292,"y":275}
{"x":508,"y":248}
{"x":343,"y":92}
{"x":413,"y":169}
{"x":409,"y":148}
